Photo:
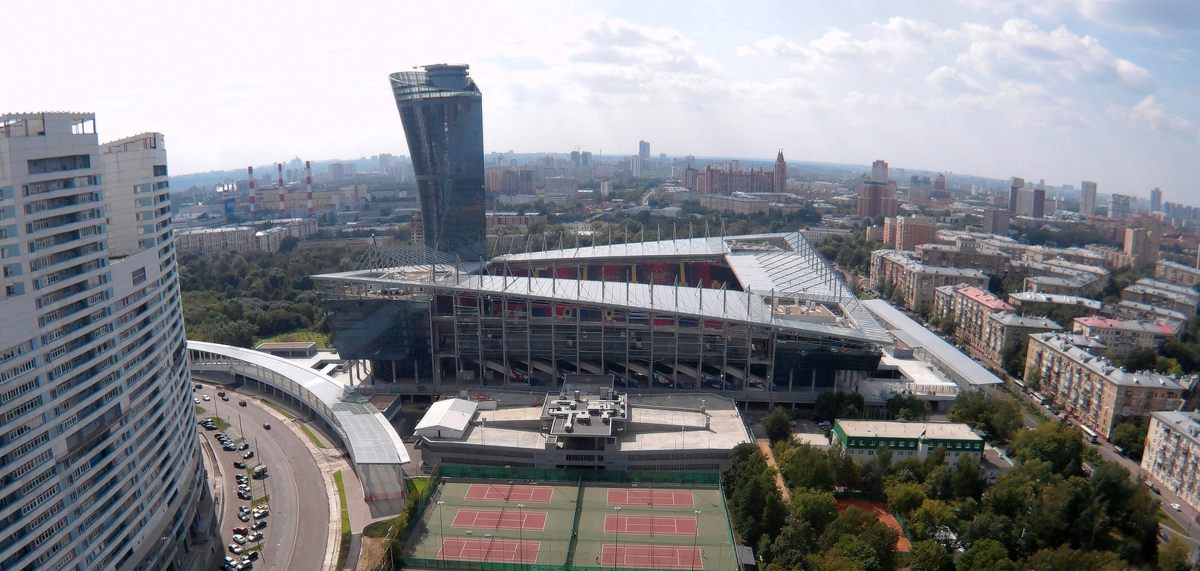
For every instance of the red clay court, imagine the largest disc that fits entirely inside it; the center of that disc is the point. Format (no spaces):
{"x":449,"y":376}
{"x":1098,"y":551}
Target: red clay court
{"x":495,"y":550}
{"x":498,"y":519}
{"x":510,"y":493}
{"x":881,"y":512}
{"x":650,"y":524}
{"x":651,"y":556}
{"x":633,"y":497}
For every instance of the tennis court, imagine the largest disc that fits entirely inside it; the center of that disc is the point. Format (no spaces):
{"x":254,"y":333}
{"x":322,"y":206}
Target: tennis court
{"x":512,"y":525}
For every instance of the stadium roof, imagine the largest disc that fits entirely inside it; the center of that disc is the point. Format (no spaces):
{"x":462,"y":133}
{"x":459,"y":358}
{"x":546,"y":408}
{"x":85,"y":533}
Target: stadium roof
{"x":962,"y":368}
{"x":771,"y":268}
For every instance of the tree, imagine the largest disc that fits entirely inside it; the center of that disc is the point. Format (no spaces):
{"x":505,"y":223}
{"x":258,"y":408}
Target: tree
{"x":778,"y":425}
{"x":817,"y":507}
{"x":1063,"y":558}
{"x":1012,"y":358}
{"x":929,"y":555}
{"x":931,"y":517}
{"x":986,"y":555}
{"x":904,"y":498}
{"x":863,"y":526}
{"x":1056,"y":443}
{"x":1174,"y":556}
{"x":1130,"y":436}
{"x":804,"y":466}
{"x":998,"y":417}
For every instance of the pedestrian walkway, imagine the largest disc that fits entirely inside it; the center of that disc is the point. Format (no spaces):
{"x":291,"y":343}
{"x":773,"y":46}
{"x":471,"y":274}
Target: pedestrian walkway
{"x":765,"y":446}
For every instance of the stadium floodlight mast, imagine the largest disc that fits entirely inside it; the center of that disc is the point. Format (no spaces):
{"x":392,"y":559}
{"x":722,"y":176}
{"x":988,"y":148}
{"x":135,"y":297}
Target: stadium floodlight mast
{"x":695,"y":539}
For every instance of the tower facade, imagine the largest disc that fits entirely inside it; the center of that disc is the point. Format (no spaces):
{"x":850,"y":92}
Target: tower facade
{"x":1014,"y":194}
{"x":780,"y":180}
{"x":1087,"y":198}
{"x":879,"y":171}
{"x":1155,"y":199}
{"x":99,"y":462}
{"x":441,"y":109}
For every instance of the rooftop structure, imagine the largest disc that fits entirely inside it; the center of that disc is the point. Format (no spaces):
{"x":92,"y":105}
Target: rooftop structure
{"x":1179,"y":274}
{"x":1024,"y":298}
{"x":441,"y":109}
{"x":584,"y":426}
{"x":761,"y":315}
{"x":1146,"y":312}
{"x":1124,"y":335}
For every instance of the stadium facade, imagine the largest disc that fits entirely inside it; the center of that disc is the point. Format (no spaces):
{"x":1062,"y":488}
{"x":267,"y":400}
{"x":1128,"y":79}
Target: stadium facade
{"x":442,"y":112}
{"x":761,"y":317}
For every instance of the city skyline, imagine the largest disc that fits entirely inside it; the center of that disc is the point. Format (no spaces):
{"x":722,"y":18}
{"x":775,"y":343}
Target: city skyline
{"x":1067,"y":91}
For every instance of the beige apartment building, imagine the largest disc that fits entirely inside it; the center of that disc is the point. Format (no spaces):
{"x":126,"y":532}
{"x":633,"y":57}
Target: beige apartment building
{"x":984,"y":323}
{"x":1124,"y":335}
{"x":1091,"y":389}
{"x":1177,"y":274}
{"x":916,"y":281}
{"x":965,"y":253}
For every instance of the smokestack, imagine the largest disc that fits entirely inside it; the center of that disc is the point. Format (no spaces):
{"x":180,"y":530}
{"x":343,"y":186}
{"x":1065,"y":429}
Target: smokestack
{"x":308,"y":185}
{"x":250,"y":175}
{"x":282,"y":190}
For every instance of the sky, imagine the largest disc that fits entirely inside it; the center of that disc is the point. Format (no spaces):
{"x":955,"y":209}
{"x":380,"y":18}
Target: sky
{"x":1061,"y":90}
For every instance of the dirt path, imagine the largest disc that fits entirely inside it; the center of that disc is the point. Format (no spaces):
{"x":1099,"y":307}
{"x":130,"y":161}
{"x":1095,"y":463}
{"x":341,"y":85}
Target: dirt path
{"x":765,"y":446}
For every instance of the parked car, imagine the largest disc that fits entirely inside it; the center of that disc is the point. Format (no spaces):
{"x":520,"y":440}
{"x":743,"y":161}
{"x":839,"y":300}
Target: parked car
{"x":205,"y":397}
{"x":244,"y":495}
{"x":258,"y":524}
{"x":1177,"y":507}
{"x":248,"y":455}
{"x":239,"y":464}
{"x":240,"y":531}
{"x":234,"y":548}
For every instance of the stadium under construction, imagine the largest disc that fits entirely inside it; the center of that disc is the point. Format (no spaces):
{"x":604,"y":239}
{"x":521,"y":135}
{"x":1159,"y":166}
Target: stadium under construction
{"x":761,"y":318}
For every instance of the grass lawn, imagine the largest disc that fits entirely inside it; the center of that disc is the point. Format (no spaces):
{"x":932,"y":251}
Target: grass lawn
{"x":280,"y":410}
{"x":417,"y":485}
{"x":260,"y":501}
{"x":321,"y":339}
{"x":312,"y":436}
{"x":221,"y":424}
{"x":1166,"y":519}
{"x":200,"y":410}
{"x":344,"y":551}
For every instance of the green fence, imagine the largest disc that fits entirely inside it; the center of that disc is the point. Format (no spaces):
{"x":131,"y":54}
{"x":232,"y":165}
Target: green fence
{"x":568,"y":475}
{"x":490,"y":566}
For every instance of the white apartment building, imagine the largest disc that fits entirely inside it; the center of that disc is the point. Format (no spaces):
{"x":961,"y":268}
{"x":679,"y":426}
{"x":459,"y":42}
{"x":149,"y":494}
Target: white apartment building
{"x":1172,"y":453}
{"x":99,"y":462}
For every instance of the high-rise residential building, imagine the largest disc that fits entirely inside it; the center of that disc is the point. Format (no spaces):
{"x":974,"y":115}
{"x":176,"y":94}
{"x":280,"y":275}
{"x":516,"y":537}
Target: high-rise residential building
{"x":875,"y":199}
{"x":1039,"y":203}
{"x":1121,"y":206}
{"x":644,"y":151}
{"x":879,"y":171}
{"x":1156,"y":199}
{"x":995,"y":221}
{"x":99,"y":461}
{"x":1087,"y":198}
{"x":780,"y":180}
{"x":1142,"y":245}
{"x":1014,"y":194}
{"x":441,"y":109}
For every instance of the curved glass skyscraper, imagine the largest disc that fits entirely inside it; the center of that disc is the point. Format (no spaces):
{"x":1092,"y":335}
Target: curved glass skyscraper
{"x":442,"y":112}
{"x":99,"y":461}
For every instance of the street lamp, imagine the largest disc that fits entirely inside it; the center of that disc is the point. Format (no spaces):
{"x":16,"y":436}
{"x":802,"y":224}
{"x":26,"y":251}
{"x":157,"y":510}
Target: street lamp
{"x":616,"y":538}
{"x":441,"y":531}
{"x":695,"y":538}
{"x":521,"y":533}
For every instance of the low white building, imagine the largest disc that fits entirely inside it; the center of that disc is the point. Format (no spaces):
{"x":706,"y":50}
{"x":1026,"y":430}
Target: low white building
{"x":447,"y":418}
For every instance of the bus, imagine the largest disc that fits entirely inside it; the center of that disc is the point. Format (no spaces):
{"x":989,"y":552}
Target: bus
{"x":1091,"y":434}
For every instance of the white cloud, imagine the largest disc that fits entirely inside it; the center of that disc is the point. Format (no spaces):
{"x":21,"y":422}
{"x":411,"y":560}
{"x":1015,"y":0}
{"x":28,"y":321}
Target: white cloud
{"x":947,"y":78}
{"x":1152,"y":113}
{"x":1019,"y":49}
{"x":1154,"y":17}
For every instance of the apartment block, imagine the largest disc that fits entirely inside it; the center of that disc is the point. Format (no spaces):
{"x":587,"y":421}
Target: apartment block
{"x":1177,"y":274}
{"x":1171,"y":456}
{"x":908,"y":232}
{"x":1162,"y":294}
{"x":1124,"y":335}
{"x":984,"y":323}
{"x":916,"y":281}
{"x":1091,"y":389}
{"x":965,"y":252}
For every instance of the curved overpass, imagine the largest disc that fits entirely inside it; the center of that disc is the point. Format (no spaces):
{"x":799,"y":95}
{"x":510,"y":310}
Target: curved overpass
{"x":376,"y":451}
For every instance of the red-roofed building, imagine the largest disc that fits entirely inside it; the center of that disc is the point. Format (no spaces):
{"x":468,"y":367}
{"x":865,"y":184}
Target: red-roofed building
{"x":1124,"y":335}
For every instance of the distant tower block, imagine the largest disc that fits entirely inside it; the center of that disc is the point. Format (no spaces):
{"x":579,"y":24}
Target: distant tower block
{"x":282,"y":191}
{"x":250,"y":176}
{"x":308,"y":186}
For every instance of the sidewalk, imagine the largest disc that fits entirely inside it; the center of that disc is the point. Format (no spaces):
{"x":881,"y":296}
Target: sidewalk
{"x":765,"y":446}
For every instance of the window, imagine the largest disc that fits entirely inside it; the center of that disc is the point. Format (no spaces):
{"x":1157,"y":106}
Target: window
{"x":139,"y":276}
{"x":160,"y":170}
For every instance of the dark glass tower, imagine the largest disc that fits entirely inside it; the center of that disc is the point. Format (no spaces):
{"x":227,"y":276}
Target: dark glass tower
{"x":442,"y":112}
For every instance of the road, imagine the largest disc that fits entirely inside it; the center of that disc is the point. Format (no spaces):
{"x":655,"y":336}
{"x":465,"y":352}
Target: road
{"x":298,"y":526}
